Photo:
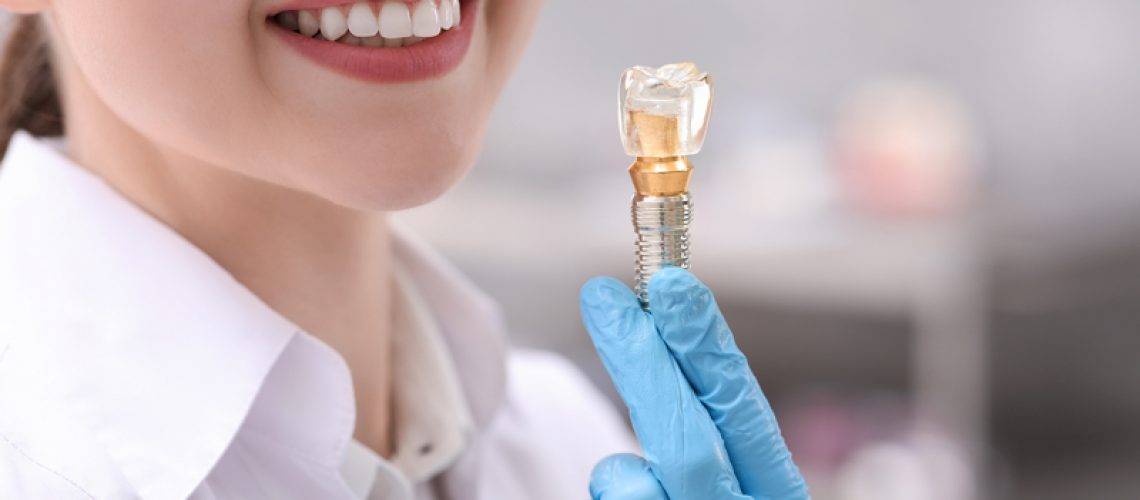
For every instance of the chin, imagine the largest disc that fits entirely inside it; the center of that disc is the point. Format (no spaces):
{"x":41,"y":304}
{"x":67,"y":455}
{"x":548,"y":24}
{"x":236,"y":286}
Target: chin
{"x":397,"y":185}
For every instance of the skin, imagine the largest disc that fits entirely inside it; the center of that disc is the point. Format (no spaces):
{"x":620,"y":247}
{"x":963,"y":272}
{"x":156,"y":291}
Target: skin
{"x":280,"y":170}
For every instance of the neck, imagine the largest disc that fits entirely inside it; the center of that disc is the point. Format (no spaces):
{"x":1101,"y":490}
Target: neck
{"x":323,"y":266}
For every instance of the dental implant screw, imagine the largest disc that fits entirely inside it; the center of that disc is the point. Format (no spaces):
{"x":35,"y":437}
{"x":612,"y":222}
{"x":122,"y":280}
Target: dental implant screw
{"x":662,"y":227}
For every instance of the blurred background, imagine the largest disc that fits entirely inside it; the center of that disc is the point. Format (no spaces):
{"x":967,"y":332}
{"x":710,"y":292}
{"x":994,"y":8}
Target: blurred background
{"x":921,"y":218}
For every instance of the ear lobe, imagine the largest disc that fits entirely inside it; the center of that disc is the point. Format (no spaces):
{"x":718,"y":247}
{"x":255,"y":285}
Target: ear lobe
{"x":24,"y":6}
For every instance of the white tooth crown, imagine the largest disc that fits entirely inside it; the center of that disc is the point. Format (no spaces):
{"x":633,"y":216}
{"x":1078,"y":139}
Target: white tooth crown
{"x":393,"y":24}
{"x":445,"y":17}
{"x":395,"y":20}
{"x":362,"y":21}
{"x":309,"y":25}
{"x":333,"y":24}
{"x":425,"y":19}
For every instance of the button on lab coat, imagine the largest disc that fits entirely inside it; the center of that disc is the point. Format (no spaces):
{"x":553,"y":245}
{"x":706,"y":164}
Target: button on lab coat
{"x":133,"y":366}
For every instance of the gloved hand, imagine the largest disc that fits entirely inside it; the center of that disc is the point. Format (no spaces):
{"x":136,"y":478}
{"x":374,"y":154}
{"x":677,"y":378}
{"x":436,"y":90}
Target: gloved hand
{"x":706,"y":428}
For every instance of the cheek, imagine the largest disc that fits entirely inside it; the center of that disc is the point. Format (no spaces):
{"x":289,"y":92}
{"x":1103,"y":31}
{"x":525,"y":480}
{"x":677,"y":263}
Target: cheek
{"x":179,"y":72}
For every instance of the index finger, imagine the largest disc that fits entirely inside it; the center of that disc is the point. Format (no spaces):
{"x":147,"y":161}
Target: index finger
{"x":693,"y":328}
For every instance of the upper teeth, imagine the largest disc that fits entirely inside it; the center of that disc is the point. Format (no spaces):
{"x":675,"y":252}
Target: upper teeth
{"x":392,"y":24}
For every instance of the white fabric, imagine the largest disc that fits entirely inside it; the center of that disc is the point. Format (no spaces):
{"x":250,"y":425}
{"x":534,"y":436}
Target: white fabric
{"x":359,"y":468}
{"x":433,"y":424}
{"x":133,"y":366}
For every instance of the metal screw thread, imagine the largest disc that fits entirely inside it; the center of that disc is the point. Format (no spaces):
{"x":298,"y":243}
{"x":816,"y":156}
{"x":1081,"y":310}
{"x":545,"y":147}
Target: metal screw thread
{"x":662,"y":226}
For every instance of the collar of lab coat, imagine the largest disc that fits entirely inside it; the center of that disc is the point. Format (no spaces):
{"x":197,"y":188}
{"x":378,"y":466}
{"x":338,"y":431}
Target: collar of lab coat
{"x":158,"y":349}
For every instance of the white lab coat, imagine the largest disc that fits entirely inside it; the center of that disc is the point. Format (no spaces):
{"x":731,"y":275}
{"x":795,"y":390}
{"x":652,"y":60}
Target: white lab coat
{"x":133,"y":366}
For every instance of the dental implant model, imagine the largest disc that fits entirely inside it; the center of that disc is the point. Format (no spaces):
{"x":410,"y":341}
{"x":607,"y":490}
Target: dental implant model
{"x":664,"y":117}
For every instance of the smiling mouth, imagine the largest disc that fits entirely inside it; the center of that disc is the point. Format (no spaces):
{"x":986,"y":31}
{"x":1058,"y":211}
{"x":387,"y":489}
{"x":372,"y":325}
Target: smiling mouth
{"x":387,"y":24}
{"x":390,"y":41}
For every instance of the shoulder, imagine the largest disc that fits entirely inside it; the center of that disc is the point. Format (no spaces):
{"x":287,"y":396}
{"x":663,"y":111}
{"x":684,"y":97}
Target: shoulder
{"x":22,"y":476}
{"x":50,"y":459}
{"x":27,"y":468}
{"x":44,"y":453}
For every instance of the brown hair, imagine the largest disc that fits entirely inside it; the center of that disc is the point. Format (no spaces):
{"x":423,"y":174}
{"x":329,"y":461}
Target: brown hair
{"x":28,"y":96}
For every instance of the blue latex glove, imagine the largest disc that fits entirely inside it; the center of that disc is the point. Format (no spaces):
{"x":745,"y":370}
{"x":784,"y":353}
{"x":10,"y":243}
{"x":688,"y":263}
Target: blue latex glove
{"x":706,"y":428}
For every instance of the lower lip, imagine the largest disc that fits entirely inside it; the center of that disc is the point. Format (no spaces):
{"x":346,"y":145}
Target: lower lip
{"x":431,"y":58}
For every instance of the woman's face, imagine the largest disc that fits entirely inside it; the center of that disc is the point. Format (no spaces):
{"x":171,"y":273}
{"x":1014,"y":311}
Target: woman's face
{"x":233,"y":84}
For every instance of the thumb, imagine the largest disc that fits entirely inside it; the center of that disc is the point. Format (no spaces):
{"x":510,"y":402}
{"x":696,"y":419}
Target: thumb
{"x":625,"y":477}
